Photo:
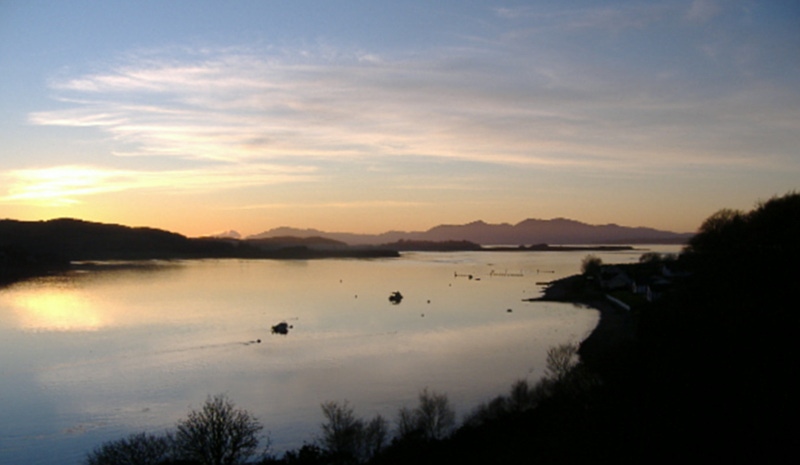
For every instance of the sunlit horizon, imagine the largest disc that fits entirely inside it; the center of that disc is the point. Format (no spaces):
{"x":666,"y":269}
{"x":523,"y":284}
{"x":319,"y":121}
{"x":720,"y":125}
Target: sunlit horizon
{"x":379,"y":117}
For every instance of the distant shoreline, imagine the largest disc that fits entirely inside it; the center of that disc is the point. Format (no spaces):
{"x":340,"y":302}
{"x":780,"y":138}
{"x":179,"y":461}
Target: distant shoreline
{"x":32,"y":265}
{"x":559,"y":248}
{"x":468,"y":246}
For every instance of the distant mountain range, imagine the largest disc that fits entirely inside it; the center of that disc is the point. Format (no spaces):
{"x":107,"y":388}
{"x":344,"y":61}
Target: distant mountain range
{"x":29,"y":247}
{"x":527,"y":232}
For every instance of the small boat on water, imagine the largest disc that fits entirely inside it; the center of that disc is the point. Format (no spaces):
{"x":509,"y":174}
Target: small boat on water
{"x":396,"y":297}
{"x":281,"y":328}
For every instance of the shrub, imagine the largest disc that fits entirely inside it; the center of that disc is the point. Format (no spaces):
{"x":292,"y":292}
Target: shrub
{"x":591,"y":264}
{"x":560,"y":360}
{"x":309,"y":454}
{"x":136,"y":449}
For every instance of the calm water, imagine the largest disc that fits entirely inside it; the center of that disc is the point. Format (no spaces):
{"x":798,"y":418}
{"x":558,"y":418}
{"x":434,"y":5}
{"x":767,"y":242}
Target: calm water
{"x":93,"y":356}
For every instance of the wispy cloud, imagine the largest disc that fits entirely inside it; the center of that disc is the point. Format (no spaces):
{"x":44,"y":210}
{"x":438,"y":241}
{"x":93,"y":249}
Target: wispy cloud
{"x":505,"y":102}
{"x":703,"y":10}
{"x":77,"y":117}
{"x":67,"y":185}
{"x":357,"y":204}
{"x":599,"y":17}
{"x":243,"y":106}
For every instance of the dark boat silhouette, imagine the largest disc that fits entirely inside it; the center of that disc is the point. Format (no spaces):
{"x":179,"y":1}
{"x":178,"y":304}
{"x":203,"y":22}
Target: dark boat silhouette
{"x":281,"y":328}
{"x":396,"y":297}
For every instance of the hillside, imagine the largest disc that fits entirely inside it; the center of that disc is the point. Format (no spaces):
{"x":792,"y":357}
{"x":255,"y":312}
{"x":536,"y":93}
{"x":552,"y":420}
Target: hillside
{"x":72,"y":239}
{"x":312,"y":242}
{"x":32,"y":247}
{"x":530,"y":231}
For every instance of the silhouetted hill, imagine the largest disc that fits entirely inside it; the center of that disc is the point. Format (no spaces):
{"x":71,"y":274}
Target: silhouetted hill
{"x":312,"y":242}
{"x":348,"y":238}
{"x":433,"y":246}
{"x":530,"y":231}
{"x":32,"y":247}
{"x":229,"y":234}
{"x":72,"y":239}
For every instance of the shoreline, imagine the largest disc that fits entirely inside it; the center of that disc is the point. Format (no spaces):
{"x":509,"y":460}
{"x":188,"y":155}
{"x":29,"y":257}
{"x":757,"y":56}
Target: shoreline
{"x":604,"y":347}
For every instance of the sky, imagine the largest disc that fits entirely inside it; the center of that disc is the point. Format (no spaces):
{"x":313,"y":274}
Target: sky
{"x":368,"y":116}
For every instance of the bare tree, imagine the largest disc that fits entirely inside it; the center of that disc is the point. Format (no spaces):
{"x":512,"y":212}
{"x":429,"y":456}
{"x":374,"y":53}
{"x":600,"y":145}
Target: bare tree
{"x":218,"y":434}
{"x":560,"y":360}
{"x":342,"y":432}
{"x":348,"y":439}
{"x":406,"y":422}
{"x":376,"y":433}
{"x":433,"y":418}
{"x":521,"y":397}
{"x":435,"y":415}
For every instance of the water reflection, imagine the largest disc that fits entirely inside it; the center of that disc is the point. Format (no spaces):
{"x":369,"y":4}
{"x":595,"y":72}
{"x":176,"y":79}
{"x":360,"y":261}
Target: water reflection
{"x":57,"y":310}
{"x":94,"y":356}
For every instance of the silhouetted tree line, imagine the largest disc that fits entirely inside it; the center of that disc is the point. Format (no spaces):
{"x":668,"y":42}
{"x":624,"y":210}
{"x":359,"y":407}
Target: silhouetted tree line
{"x":217,"y":434}
{"x":222,"y":434}
{"x":429,"y":433}
{"x":18,"y":263}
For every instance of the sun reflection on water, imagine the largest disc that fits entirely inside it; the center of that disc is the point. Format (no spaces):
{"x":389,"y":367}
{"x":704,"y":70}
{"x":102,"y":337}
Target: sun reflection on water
{"x":58,"y":310}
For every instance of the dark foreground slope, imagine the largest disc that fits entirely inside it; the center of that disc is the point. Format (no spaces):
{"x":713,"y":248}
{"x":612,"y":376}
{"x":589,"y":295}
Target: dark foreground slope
{"x":720,"y":355}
